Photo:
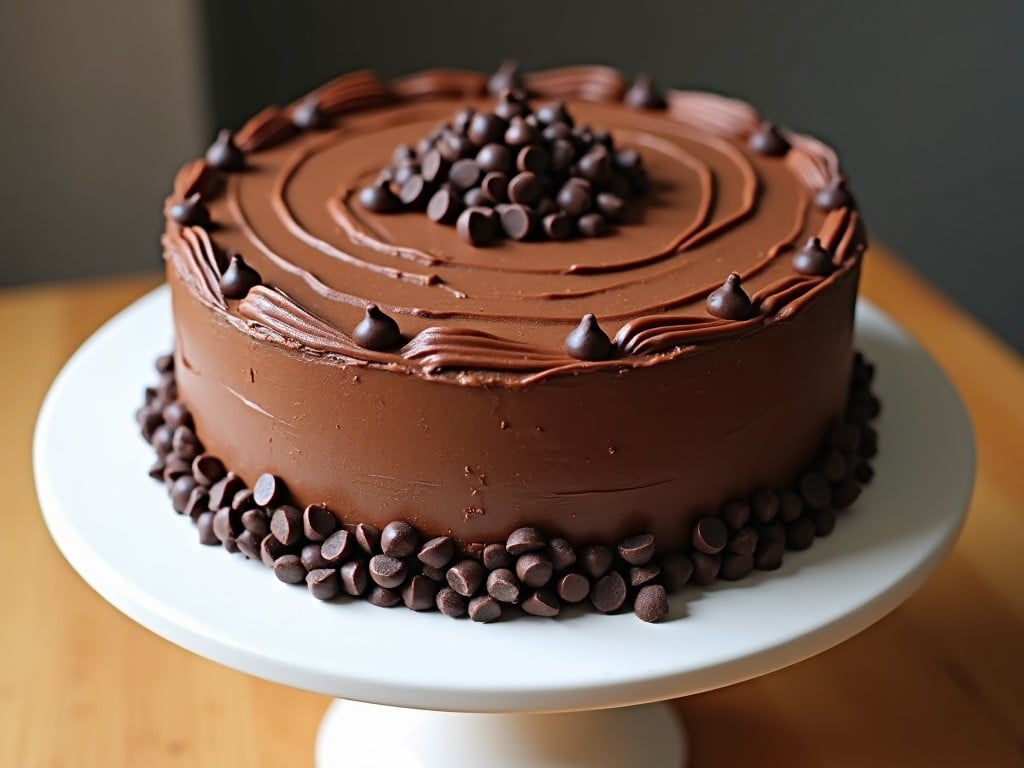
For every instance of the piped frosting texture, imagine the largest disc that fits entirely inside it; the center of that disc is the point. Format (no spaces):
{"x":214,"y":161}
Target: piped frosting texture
{"x":715,"y":206}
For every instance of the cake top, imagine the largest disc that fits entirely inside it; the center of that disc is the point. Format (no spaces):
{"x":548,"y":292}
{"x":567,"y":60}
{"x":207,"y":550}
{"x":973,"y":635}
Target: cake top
{"x":704,"y":222}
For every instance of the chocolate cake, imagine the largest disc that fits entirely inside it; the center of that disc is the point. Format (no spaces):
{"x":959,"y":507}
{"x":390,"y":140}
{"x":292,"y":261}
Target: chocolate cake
{"x":468,"y":342}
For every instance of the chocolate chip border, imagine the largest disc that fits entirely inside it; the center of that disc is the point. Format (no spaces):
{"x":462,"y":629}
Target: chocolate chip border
{"x":536,"y":573}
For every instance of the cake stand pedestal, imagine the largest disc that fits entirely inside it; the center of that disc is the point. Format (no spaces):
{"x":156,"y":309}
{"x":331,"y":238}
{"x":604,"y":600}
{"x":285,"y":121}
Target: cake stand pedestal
{"x":439,"y":692}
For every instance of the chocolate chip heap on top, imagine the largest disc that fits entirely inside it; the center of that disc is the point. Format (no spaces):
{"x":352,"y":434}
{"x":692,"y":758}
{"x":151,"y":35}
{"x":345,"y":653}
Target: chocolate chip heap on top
{"x":512,"y":172}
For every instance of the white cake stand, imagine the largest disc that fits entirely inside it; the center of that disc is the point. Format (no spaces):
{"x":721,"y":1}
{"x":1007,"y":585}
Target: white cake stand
{"x":425,"y":690}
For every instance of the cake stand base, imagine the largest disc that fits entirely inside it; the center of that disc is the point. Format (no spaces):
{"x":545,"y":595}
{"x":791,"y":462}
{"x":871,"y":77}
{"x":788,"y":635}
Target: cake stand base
{"x":357,"y":735}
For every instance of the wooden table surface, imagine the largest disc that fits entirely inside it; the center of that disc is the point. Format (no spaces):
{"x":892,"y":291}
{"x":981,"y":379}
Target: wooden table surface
{"x":939,"y":682}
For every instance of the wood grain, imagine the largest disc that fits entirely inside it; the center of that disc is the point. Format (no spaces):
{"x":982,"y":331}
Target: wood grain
{"x":940,"y":682}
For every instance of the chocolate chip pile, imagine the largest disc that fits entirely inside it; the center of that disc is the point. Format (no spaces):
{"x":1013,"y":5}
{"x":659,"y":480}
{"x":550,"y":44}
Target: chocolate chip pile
{"x":528,"y":572}
{"x":512,"y":172}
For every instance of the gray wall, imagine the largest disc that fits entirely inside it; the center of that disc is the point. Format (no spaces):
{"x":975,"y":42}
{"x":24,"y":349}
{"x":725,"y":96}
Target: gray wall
{"x":920,"y":97}
{"x":100,"y":103}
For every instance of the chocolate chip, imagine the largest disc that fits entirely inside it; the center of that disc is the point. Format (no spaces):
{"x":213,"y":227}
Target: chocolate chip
{"x":198,"y":502}
{"x":587,"y":341}
{"x":444,"y":207}
{"x":185,"y":444}
{"x":248,"y":544}
{"x":573,"y":587}
{"x":768,"y":557}
{"x":503,"y":585}
{"x":224,"y":490}
{"x":864,"y":473}
{"x":520,"y":133}
{"x":461,"y":120}
{"x":227,"y":524}
{"x":376,"y":330}
{"x":355,"y":577}
{"x":465,"y":174}
{"x":256,"y":520}
{"x":533,"y":159}
{"x":476,"y":226}
{"x":800,"y":533}
{"x":824,"y":521}
{"x":271,"y":549}
{"x":554,"y":112}
{"x":592,"y":225}
{"x":813,"y":259}
{"x":558,"y":226}
{"x":730,"y":302}
{"x":523,"y":540}
{"x":207,"y":469}
{"x":609,"y":592}
{"x":174,"y":468}
{"x":507,"y":77}
{"x":574,"y":199}
{"x":791,"y":506}
{"x":845,"y":437}
{"x":533,"y":569}
{"x":767,"y":140}
{"x":181,"y":490}
{"x":317,"y":522}
{"x":383,"y":597}
{"x":676,"y":570}
{"x":454,"y":147}
{"x":323,"y":583}
{"x":434,"y":167}
{"x":243,"y":500}
{"x":743,"y":541}
{"x":368,"y":538}
{"x":495,"y":187}
{"x":164,"y":363}
{"x":494,"y":158}
{"x":637,"y":550}
{"x":484,"y":609}
{"x":191,"y":212}
{"x":224,"y":154}
{"x":288,"y":568}
{"x":415,"y":192}
{"x":597,"y":559}
{"x":450,"y":602}
{"x":437,"y":552}
{"x":517,"y":221}
{"x":705,"y":567}
{"x":379,"y":198}
{"x":338,"y":547}
{"x":162,"y":440}
{"x":238,"y":278}
{"x":399,"y":539}
{"x":815,"y":490}
{"x":204,"y":524}
{"x":595,"y":166}
{"x":643,"y":94}
{"x":541,"y":603}
{"x":560,"y":553}
{"x":419,"y":593}
{"x":651,"y":603}
{"x":845,"y":493}
{"x":286,"y":525}
{"x":387,"y":571}
{"x":156,"y":471}
{"x":612,"y":206}
{"x":710,"y":535}
{"x":267,"y":490}
{"x":465,"y":577}
{"x":643,"y":574}
{"x":735,"y":567}
{"x":308,"y":115}
{"x":312,"y":559}
{"x":485,"y":129}
{"x":735,"y":514}
{"x":834,"y":195}
{"x":764,"y":505}
{"x":562,"y":154}
{"x":149,"y":420}
{"x":524,"y":188}
{"x":496,"y":556}
{"x":477,"y":198}
{"x":511,"y":103}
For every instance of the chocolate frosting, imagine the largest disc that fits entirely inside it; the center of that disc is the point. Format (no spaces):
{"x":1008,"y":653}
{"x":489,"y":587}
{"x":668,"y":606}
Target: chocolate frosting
{"x":480,"y":419}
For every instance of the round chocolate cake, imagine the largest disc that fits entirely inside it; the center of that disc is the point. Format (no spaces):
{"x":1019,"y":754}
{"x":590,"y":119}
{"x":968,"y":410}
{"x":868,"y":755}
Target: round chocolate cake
{"x":466,"y":341}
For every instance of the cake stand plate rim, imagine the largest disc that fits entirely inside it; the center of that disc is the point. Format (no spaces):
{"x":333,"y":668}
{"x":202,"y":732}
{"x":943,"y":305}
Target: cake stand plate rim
{"x":130,"y":547}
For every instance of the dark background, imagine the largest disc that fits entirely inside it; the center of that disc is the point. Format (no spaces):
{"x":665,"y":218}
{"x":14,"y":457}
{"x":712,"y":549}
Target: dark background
{"x":921,"y":98}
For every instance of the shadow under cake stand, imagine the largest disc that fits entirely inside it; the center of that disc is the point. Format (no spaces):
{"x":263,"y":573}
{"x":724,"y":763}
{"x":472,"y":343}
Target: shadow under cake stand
{"x":425,"y":690}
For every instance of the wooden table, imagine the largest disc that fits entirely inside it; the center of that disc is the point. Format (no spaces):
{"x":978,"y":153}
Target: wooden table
{"x":939,"y":682}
